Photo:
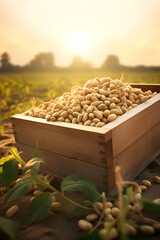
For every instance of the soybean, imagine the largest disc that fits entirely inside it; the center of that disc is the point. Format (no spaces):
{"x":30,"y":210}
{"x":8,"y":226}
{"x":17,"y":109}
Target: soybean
{"x":11,"y":211}
{"x":101,"y":98}
{"x":84,"y":225}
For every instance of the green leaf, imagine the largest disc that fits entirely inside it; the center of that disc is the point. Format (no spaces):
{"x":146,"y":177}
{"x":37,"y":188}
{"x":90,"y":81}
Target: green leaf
{"x":79,"y":213}
{"x":5,"y":159}
{"x":16,"y":155}
{"x":20,"y":189}
{"x":78,"y":183}
{"x":39,"y":208}
{"x":89,"y":236}
{"x":35,"y":154}
{"x":9,"y":228}
{"x":10,"y":172}
{"x":33,"y":164}
{"x":1,"y":180}
{"x":87,"y":203}
{"x":151,"y":206}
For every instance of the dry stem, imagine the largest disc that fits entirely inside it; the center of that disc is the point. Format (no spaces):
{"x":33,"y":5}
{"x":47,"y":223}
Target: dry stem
{"x":100,"y":222}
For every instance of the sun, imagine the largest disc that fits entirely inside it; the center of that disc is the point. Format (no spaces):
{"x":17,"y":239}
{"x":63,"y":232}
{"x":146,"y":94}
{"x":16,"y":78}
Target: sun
{"x":78,"y":42}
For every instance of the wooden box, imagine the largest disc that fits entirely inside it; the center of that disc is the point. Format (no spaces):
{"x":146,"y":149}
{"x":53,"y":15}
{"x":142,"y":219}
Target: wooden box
{"x":132,"y":141}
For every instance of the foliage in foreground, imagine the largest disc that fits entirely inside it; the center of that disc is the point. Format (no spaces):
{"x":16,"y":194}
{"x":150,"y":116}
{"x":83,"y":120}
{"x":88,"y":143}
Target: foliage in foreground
{"x":8,"y":229}
{"x":41,"y":205}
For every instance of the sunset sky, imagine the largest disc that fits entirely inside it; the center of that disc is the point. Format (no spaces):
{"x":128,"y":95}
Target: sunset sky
{"x":90,"y":28}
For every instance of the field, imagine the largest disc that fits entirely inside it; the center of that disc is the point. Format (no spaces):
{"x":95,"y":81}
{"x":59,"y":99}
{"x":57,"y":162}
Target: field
{"x":17,"y":90}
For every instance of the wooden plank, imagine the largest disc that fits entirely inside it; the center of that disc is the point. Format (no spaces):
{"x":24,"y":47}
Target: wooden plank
{"x":60,"y":125}
{"x":129,"y":127}
{"x":71,"y":142}
{"x":64,"y":166}
{"x":131,"y":164}
{"x":111,"y":172}
{"x":134,"y":155}
{"x":146,"y":87}
{"x":143,"y":165}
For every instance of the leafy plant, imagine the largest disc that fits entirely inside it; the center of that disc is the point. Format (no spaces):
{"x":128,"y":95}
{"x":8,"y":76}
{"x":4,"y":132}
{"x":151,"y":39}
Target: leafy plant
{"x":16,"y":155}
{"x":3,"y":160}
{"x":39,"y":208}
{"x":151,"y":206}
{"x":33,"y":164}
{"x":9,"y":172}
{"x":41,"y":205}
{"x":78,"y":183}
{"x":8,"y":229}
{"x":20,"y":189}
{"x":30,"y":177}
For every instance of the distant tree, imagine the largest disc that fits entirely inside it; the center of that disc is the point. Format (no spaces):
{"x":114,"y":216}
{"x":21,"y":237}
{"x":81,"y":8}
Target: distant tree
{"x":5,"y":60}
{"x":7,"y":66}
{"x":42,"y":62}
{"x":79,"y":64}
{"x":111,"y":63}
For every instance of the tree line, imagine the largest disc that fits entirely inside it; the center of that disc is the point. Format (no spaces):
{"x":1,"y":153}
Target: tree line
{"x":46,"y":62}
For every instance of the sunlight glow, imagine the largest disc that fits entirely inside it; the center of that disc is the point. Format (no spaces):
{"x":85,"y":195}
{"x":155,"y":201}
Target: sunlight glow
{"x":90,"y":29}
{"x":78,"y":43}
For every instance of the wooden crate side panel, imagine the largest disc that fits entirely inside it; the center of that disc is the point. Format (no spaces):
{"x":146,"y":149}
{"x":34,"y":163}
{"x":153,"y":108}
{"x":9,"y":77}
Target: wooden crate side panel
{"x":134,"y":124}
{"x":63,"y":166}
{"x":61,"y":126}
{"x":77,"y":144}
{"x":146,"y":87}
{"x":134,"y":155}
{"x":111,"y":179}
{"x":135,"y":172}
{"x":109,"y":152}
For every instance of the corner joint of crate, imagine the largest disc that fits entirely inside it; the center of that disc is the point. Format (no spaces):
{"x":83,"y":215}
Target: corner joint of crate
{"x":102,"y":152}
{"x":101,"y":137}
{"x":102,"y":144}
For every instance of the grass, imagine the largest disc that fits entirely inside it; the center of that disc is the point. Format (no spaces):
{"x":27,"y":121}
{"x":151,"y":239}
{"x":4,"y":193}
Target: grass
{"x":18,"y":89}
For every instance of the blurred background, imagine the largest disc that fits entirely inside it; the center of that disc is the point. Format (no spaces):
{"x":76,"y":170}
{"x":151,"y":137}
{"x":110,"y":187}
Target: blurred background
{"x":48,"y":46}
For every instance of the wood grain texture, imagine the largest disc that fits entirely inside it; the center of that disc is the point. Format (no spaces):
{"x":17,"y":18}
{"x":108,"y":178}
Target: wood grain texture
{"x":133,"y":160}
{"x":60,"y":125}
{"x":132,"y":125}
{"x":137,"y":153}
{"x":71,"y":142}
{"x":64,"y":166}
{"x":146,"y":87}
{"x":136,"y":157}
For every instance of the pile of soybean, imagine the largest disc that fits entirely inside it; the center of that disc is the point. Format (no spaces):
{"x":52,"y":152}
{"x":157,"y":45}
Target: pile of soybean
{"x":100,"y":101}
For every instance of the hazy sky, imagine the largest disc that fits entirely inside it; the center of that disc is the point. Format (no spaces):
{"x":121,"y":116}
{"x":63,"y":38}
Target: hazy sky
{"x":91,"y":28}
